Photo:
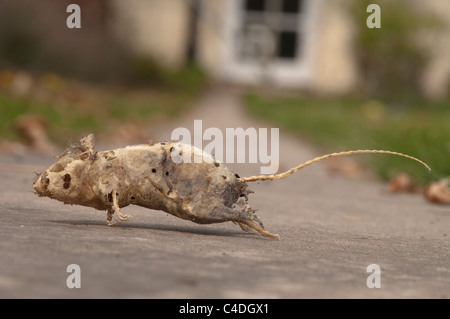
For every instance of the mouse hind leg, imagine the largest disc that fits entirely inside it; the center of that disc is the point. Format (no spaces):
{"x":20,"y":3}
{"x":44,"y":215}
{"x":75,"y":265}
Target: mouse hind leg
{"x":245,"y":218}
{"x":250,"y":222}
{"x":246,"y":228}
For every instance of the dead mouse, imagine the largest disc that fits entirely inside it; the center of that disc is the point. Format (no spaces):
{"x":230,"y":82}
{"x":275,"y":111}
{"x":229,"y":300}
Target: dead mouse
{"x":146,"y":175}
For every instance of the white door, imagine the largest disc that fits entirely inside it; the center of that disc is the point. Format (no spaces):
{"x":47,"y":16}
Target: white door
{"x":270,"y":42}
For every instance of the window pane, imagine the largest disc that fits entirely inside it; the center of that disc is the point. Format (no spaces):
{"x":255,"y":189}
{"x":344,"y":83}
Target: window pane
{"x":287,"y":44}
{"x":254,"y":5}
{"x":292,"y":6}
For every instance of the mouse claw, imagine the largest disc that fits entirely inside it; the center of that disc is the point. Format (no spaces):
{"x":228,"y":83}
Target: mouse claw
{"x":109,"y":216}
{"x":111,"y":222}
{"x":123,"y":217}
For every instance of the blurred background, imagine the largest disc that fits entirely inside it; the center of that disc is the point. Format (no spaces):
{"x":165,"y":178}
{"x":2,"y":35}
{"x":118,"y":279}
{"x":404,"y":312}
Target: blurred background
{"x":309,"y":66}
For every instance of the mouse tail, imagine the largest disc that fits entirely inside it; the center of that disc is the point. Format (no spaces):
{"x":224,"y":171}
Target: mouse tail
{"x":317,"y":159}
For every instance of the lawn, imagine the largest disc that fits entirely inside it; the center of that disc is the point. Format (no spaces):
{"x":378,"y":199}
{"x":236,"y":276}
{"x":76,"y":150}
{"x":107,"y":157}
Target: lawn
{"x":420,"y":129}
{"x":71,"y":107}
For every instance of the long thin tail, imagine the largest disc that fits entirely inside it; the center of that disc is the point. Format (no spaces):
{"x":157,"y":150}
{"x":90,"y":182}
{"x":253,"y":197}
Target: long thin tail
{"x":317,"y":159}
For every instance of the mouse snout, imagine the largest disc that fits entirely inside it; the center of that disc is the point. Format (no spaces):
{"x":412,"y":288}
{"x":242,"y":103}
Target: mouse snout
{"x":41,"y":184}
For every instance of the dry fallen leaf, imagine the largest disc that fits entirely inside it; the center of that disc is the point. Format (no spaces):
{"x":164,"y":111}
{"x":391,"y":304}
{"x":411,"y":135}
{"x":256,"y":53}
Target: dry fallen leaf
{"x":402,"y":182}
{"x":33,"y":129}
{"x":345,"y":167}
{"x":439,"y":192}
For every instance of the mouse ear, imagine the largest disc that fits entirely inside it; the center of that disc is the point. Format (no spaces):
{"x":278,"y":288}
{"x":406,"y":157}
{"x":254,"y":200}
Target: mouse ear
{"x":87,"y":143}
{"x":85,"y":146}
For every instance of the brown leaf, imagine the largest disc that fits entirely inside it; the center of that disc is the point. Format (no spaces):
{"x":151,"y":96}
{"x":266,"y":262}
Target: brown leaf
{"x":33,"y":127}
{"x":402,"y":182}
{"x":344,"y":167}
{"x":439,"y":192}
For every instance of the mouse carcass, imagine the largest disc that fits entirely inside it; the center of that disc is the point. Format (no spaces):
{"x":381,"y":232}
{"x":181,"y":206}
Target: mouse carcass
{"x":147,"y":175}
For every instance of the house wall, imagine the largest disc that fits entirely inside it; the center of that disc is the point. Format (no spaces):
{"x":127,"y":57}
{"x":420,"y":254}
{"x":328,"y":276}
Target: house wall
{"x":436,"y":78}
{"x":330,"y":61}
{"x":335,"y":67}
{"x":160,"y":28}
{"x":211,"y":36}
{"x":153,"y":27}
{"x":336,"y":70}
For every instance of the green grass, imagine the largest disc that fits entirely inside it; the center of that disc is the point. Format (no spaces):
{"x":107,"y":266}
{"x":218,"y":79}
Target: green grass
{"x":72,"y":108}
{"x":416,"y":128}
{"x":71,"y":119}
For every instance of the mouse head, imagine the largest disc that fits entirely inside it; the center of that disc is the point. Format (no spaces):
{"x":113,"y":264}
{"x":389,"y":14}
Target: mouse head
{"x":62,"y":179}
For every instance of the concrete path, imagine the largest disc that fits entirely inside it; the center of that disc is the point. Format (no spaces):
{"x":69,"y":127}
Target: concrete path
{"x":331,"y":230}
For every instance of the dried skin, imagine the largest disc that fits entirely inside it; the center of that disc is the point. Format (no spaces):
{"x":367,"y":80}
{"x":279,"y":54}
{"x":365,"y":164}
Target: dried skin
{"x":147,"y":175}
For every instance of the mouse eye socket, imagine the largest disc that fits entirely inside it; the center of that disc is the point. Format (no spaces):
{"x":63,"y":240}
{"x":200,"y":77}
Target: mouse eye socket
{"x":67,"y":178}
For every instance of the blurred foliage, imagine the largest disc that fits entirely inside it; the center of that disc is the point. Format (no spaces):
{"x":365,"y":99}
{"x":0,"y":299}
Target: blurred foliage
{"x":41,"y":42}
{"x":391,"y":57}
{"x":389,"y":112}
{"x":34,"y":36}
{"x":420,"y":130}
{"x":81,"y":80}
{"x":18,"y":45}
{"x":72,"y":108}
{"x":145,"y":71}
